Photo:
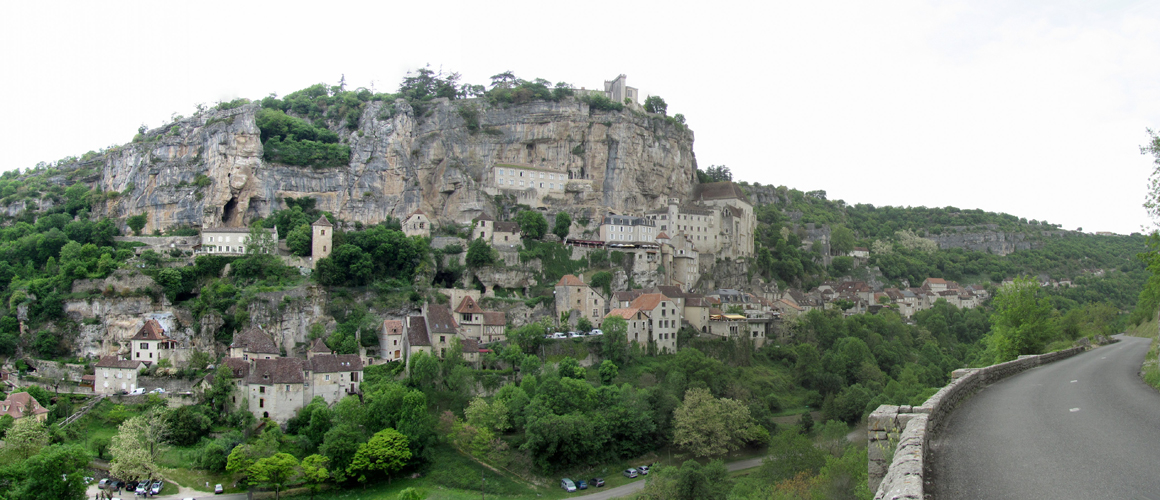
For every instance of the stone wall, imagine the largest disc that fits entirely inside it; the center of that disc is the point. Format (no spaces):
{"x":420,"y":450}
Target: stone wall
{"x":913,"y":427}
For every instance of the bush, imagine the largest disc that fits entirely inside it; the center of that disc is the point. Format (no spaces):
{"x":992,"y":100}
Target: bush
{"x":600,"y":102}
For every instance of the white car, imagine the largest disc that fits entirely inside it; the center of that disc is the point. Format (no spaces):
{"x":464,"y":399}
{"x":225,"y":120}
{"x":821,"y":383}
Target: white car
{"x":559,"y":335}
{"x":575,"y":335}
{"x":137,"y":392}
{"x":158,"y":391}
{"x":596,"y":332}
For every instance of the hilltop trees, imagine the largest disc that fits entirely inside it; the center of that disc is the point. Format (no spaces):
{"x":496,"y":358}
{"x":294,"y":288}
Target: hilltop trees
{"x":1022,"y":323}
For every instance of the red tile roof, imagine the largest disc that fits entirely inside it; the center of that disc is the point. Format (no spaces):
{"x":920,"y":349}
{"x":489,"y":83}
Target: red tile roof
{"x":571,"y":280}
{"x":21,"y":404}
{"x":151,"y":330}
{"x":626,"y":312}
{"x":648,"y":301}
{"x":393,"y":326}
{"x":494,"y":318}
{"x":468,"y":306}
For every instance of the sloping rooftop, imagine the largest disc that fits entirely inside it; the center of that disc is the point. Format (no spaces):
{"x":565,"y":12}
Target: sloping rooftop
{"x":670,"y":291}
{"x":21,"y":404}
{"x":115,"y":362}
{"x":494,"y":318}
{"x":319,"y":346}
{"x":239,"y":366}
{"x":468,"y":306}
{"x":470,"y":346}
{"x":417,"y":331}
{"x":719,"y":191}
{"x":322,"y":221}
{"x":151,"y":330}
{"x":507,"y":227}
{"x":277,"y":371}
{"x":571,"y":280}
{"x":624,"y":312}
{"x":256,"y":341}
{"x":440,"y":320}
{"x":393,"y":326}
{"x":334,"y":363}
{"x":648,"y":301}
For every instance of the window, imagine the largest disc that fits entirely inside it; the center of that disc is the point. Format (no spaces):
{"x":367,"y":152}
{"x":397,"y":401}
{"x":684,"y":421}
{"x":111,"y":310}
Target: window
{"x":261,"y":402}
{"x":287,"y":388}
{"x":144,"y":345}
{"x":521,"y":174}
{"x":442,"y":338}
{"x":262,"y":389}
{"x":541,"y":175}
{"x":326,"y":377}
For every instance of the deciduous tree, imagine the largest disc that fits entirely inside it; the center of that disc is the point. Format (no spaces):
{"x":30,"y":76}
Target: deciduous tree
{"x":274,"y":471}
{"x":386,"y":452}
{"x":708,"y":426}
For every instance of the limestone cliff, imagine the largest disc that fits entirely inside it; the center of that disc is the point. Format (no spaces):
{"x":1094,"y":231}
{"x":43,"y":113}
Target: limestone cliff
{"x":629,"y":161}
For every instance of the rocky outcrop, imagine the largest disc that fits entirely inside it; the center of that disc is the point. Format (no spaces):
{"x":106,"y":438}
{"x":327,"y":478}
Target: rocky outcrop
{"x":992,"y":241}
{"x":623,"y":161}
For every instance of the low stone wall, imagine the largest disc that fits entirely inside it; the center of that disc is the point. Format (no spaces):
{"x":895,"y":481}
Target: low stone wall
{"x":912,"y":427}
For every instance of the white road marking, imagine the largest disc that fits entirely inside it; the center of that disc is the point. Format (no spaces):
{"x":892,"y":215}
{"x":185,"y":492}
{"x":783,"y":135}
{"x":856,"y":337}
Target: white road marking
{"x":1074,"y":381}
{"x":1073,"y":410}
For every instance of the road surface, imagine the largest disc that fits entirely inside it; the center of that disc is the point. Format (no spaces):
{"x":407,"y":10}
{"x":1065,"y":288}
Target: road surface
{"x":1082,"y":427}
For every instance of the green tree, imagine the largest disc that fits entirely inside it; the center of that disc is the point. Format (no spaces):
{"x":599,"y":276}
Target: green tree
{"x":1022,"y":322}
{"x":137,"y":222}
{"x":654,"y":104}
{"x":300,"y":240}
{"x":386,"y":452}
{"x":492,"y":415}
{"x":274,"y":471}
{"x":563,"y":223}
{"x":571,"y":368}
{"x":410,"y":494}
{"x":532,"y":224}
{"x":340,"y":445}
{"x":842,"y":265}
{"x":841,"y":240}
{"x":260,"y":241}
{"x":480,"y":254}
{"x":26,"y":437}
{"x":608,"y":372}
{"x":583,"y":325}
{"x":708,"y":426}
{"x":57,"y":472}
{"x":690,"y":481}
{"x":614,"y":342}
{"x":188,"y":424}
{"x":602,"y":281}
{"x":314,"y":472}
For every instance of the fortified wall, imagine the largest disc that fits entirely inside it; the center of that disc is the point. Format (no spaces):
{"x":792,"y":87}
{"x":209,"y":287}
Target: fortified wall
{"x":913,"y":427}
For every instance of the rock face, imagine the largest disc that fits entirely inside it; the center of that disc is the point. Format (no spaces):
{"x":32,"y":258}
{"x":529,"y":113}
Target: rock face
{"x":623,"y":161}
{"x":993,"y":241}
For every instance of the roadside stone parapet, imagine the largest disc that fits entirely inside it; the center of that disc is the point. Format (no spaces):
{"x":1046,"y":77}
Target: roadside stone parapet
{"x":899,"y":436}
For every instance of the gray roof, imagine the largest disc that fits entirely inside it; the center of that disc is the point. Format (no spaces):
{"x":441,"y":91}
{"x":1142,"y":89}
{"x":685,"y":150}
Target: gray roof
{"x":440,"y":320}
{"x":255,"y":340}
{"x":417,"y":331}
{"x":277,"y":371}
{"x":333,"y":363}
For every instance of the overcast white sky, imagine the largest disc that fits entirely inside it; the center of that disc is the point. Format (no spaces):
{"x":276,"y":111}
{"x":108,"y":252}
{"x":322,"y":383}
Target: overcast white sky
{"x":1034,"y":108}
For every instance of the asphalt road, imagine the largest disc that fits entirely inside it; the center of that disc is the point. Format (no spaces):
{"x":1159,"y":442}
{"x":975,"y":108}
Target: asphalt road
{"x":1084,"y":427}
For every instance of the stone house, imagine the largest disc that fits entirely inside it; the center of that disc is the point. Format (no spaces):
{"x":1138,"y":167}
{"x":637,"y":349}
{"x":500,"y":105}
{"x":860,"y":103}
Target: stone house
{"x":727,"y":326}
{"x":417,"y":224}
{"x":636,"y":322}
{"x":470,"y":318}
{"x":228,"y":240}
{"x":391,"y":340}
{"x":114,"y":375}
{"x":494,"y":327}
{"x":21,"y":404}
{"x":664,"y":319}
{"x":416,"y":338}
{"x":442,"y":328}
{"x":935,"y":284}
{"x":276,"y":388}
{"x":627,"y":230}
{"x":496,"y":233}
{"x":696,"y":312}
{"x":150,"y":343}
{"x":332,"y":376}
{"x":321,"y":240}
{"x":572,"y":294}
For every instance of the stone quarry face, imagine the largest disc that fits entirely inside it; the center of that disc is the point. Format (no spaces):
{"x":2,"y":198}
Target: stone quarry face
{"x":621,"y":161}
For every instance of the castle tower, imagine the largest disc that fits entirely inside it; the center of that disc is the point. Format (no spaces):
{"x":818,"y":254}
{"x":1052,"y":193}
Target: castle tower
{"x":321,"y":243}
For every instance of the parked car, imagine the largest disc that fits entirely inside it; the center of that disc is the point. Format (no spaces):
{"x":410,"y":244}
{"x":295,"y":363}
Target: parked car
{"x":597,"y":482}
{"x":596,"y":332}
{"x":630,"y":473}
{"x":575,"y":335}
{"x":643,"y":470}
{"x":581,"y":484}
{"x":103,"y":483}
{"x":156,"y":488}
{"x":217,"y":490}
{"x":142,"y":487}
{"x":158,"y":391}
{"x":559,"y":335}
{"x":131,"y":486}
{"x":568,"y":485}
{"x":137,"y":392}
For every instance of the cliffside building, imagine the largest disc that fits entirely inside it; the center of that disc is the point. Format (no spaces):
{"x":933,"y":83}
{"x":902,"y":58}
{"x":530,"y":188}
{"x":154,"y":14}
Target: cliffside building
{"x":114,"y":375}
{"x":321,"y":242}
{"x":627,"y":230}
{"x":150,"y":343}
{"x":718,"y":220}
{"x":417,"y":224}
{"x":228,"y":240}
{"x":572,"y":294}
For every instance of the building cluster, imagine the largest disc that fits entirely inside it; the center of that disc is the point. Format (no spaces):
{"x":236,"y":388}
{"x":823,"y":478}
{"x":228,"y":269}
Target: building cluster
{"x":856,"y":297}
{"x":439,"y":328}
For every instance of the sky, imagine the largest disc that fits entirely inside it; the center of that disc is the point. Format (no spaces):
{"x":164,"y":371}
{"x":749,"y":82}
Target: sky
{"x":1033,"y":108}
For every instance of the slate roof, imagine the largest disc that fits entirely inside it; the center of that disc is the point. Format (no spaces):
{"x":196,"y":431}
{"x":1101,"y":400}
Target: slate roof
{"x":494,"y":318}
{"x":440,"y":320}
{"x":115,"y":362}
{"x":277,"y":371}
{"x":151,"y":330}
{"x":696,"y":301}
{"x":627,"y":295}
{"x":507,"y":227}
{"x":719,"y":191}
{"x":417,"y":331}
{"x":484,"y":216}
{"x":319,"y":346}
{"x":239,"y":366}
{"x":470,"y":346}
{"x":256,"y":341}
{"x":322,"y":221}
{"x":21,"y":404}
{"x":468,"y":306}
{"x":334,"y":363}
{"x":670,"y":291}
